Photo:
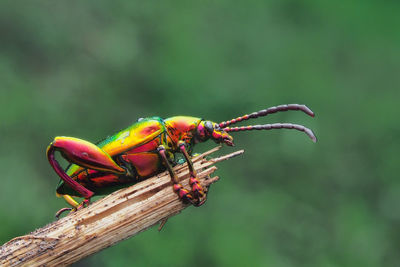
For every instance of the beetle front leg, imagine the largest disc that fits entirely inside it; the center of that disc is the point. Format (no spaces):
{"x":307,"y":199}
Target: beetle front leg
{"x":197,"y":189}
{"x":178,"y":188}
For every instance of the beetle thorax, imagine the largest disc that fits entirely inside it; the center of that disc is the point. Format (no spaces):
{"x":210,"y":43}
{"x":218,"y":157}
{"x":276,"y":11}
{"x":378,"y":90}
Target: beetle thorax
{"x":181,"y":128}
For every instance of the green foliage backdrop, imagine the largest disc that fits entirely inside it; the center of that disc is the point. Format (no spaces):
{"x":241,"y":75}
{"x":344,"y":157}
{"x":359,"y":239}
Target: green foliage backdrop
{"x":89,"y":68}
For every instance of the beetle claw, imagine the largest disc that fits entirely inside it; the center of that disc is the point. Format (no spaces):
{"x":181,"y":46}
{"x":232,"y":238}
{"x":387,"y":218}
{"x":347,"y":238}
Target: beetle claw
{"x":61,"y":211}
{"x":84,"y":204}
{"x":197,"y":191}
{"x":198,"y":201}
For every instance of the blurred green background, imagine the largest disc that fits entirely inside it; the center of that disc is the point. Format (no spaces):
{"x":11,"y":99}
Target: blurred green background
{"x":87,"y":69}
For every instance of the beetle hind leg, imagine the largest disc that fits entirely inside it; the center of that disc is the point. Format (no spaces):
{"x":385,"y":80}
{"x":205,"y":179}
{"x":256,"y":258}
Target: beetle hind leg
{"x":74,"y":204}
{"x":61,"y":211}
{"x":71,"y":201}
{"x":84,"y":154}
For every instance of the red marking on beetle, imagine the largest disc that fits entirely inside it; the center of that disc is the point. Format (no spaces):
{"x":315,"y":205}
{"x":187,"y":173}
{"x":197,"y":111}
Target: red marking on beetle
{"x":145,"y":163}
{"x":150,"y":146}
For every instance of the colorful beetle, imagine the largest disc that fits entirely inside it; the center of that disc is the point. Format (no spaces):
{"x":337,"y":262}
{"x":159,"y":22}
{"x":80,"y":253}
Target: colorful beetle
{"x":144,"y":149}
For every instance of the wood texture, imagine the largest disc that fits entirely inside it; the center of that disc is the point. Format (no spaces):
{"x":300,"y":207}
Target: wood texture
{"x":107,"y":221}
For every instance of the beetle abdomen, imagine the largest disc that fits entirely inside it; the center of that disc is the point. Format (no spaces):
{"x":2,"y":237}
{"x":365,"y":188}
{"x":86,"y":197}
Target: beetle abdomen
{"x":145,"y":163}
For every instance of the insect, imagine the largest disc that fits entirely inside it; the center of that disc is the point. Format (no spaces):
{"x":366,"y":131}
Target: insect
{"x":146,"y":148}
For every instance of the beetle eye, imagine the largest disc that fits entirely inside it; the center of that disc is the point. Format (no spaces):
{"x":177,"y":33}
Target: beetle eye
{"x":209,"y":126}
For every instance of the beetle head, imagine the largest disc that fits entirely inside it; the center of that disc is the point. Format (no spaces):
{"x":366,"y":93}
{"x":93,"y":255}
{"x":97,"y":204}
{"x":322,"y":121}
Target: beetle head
{"x":209,"y":129}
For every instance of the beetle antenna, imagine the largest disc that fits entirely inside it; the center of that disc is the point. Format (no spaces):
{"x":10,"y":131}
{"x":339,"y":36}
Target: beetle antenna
{"x":273,"y":126}
{"x":267,"y":111}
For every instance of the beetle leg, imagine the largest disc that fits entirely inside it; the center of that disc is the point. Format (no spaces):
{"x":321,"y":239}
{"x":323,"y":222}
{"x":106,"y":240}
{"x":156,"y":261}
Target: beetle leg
{"x":197,"y":189}
{"x":126,"y":165}
{"x":84,"y":154}
{"x":71,"y":201}
{"x":178,"y":188}
{"x":61,"y":211}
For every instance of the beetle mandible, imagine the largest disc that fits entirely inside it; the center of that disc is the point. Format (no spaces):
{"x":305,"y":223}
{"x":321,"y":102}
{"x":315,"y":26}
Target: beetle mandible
{"x":144,"y":149}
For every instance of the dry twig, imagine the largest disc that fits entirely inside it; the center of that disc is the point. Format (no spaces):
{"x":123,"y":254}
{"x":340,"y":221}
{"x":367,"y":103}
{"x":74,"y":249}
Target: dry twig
{"x":109,"y":220}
